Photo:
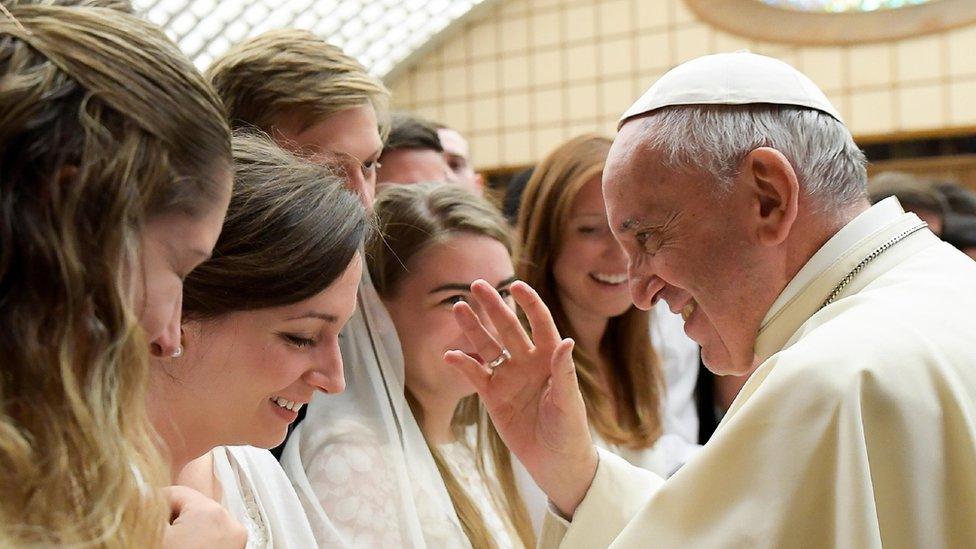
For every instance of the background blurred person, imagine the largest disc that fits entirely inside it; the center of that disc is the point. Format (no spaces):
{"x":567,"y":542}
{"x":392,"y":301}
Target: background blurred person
{"x":457,"y":152}
{"x":261,"y":324}
{"x":568,"y":254}
{"x":915,"y":195}
{"x":115,"y":179}
{"x":413,"y":153}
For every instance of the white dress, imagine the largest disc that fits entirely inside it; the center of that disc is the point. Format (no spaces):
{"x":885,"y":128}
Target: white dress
{"x":359,"y":462}
{"x":258,"y":494}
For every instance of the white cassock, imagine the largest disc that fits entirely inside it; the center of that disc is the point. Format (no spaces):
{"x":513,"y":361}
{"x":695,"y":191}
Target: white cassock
{"x":857,"y":430}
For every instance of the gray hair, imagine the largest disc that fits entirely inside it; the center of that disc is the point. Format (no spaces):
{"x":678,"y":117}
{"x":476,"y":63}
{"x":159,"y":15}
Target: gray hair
{"x":716,"y":138}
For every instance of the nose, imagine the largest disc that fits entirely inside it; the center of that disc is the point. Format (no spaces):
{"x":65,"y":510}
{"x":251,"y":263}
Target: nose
{"x":644,"y":289}
{"x":327,"y":375}
{"x":169,"y":342}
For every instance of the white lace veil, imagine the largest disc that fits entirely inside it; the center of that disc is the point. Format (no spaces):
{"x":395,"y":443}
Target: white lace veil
{"x":358,"y":461}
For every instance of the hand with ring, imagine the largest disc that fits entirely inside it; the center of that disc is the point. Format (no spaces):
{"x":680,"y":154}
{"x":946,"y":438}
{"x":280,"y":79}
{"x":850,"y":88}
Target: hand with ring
{"x":530,"y":390}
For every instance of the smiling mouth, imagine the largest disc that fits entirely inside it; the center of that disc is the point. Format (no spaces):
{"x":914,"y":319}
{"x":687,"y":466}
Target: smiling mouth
{"x":609,"y":279}
{"x":688,"y":310}
{"x":287,"y":404}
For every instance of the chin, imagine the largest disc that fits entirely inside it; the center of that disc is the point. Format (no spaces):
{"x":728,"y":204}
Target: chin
{"x":268,"y":440}
{"x":718,"y":361}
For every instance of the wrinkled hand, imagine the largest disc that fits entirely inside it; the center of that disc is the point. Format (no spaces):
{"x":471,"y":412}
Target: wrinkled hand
{"x":533,"y":398}
{"x":198,"y":521}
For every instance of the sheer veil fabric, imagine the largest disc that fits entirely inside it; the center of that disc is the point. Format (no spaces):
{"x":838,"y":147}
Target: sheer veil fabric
{"x":358,"y":461}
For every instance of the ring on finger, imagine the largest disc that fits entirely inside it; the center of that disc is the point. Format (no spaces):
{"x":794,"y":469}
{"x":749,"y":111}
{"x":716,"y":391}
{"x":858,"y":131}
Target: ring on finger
{"x":502,"y":359}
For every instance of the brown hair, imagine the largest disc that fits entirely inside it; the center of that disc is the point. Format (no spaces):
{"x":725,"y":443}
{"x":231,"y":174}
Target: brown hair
{"x":631,"y":414}
{"x":412,"y":218}
{"x":291,"y":230}
{"x":103,"y":124}
{"x":285,"y":70}
{"x":408,"y":132}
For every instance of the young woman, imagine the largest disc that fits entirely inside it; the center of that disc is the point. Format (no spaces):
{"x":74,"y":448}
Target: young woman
{"x":114,"y":179}
{"x":260,"y":336}
{"x":568,"y":254}
{"x":437,"y":239}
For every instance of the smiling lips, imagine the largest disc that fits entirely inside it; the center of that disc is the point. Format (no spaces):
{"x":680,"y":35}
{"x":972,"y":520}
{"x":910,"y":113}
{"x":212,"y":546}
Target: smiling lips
{"x":610,"y":279}
{"x":287,"y":404}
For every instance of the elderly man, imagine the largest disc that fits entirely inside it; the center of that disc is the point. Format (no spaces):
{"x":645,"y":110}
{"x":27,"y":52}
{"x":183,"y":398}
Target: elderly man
{"x":739,"y":197}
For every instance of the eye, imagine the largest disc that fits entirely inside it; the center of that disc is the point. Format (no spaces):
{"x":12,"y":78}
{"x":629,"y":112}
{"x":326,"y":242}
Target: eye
{"x":649,"y":241}
{"x":370,"y":166}
{"x":505,"y":293}
{"x":297,"y":341}
{"x":457,"y":298}
{"x":586,"y":229}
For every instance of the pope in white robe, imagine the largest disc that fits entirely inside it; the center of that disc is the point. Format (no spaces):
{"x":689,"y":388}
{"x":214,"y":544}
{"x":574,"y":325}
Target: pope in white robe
{"x":857,"y":427}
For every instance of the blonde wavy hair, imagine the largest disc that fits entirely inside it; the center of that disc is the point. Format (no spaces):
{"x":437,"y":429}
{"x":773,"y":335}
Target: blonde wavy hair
{"x":285,"y":70}
{"x":630,"y":413}
{"x":410,"y":219}
{"x":103,"y":123}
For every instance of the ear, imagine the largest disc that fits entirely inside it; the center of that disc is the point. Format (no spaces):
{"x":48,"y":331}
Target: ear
{"x":776,"y":192}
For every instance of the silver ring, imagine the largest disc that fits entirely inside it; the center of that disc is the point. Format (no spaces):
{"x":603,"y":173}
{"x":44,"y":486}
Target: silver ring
{"x":502,"y":359}
{"x":178,"y":352}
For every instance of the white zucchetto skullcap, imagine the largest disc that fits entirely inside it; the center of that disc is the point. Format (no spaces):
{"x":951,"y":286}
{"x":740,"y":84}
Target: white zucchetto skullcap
{"x":740,"y":78}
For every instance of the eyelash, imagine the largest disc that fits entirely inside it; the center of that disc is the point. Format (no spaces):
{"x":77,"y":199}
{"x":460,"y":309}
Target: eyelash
{"x":453,"y":299}
{"x":504,"y":292}
{"x":370,"y":166}
{"x":642,"y":239}
{"x":297,"y":341}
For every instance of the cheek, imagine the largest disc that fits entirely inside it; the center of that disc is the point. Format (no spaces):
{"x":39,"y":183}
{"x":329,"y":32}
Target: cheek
{"x":157,"y":297}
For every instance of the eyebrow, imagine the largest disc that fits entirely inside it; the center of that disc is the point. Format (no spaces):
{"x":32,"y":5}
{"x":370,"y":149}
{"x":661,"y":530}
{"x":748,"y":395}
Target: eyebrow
{"x":459,"y":287}
{"x":315,"y":314}
{"x":628,"y":225}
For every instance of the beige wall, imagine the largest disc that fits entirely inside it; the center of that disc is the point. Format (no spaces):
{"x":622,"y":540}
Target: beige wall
{"x":534,"y":72}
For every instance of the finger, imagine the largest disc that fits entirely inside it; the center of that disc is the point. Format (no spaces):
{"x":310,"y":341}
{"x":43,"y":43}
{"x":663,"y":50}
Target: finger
{"x":178,"y":498}
{"x":475,"y":332}
{"x":565,"y":384}
{"x":544,"y":331}
{"x":510,"y":330}
{"x":478,"y":374}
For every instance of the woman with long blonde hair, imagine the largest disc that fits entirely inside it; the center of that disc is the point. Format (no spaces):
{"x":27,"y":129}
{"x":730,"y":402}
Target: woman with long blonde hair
{"x":565,"y":250}
{"x":438,"y":239}
{"x":114,"y":179}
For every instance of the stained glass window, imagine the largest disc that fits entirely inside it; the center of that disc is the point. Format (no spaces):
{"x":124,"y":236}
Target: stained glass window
{"x":843,"y":6}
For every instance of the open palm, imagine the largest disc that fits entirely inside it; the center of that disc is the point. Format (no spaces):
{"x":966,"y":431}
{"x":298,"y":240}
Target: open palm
{"x":532,"y":397}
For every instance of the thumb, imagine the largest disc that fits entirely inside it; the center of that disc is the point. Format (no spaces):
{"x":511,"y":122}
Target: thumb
{"x":565,"y":386}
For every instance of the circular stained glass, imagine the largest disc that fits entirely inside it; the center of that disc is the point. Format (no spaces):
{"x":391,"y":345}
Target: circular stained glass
{"x":843,"y":6}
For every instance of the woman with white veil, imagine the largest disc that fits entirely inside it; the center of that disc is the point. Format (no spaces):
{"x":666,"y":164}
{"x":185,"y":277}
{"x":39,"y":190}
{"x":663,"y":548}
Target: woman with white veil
{"x":359,"y":461}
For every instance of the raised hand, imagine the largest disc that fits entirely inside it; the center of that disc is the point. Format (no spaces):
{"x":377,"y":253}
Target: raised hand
{"x":532,"y":396}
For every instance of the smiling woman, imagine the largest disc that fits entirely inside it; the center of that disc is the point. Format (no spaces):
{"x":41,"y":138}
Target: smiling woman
{"x":261,"y":326}
{"x":568,"y":254}
{"x":439,"y":239}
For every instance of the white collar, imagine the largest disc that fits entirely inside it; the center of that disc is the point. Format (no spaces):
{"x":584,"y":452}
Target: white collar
{"x":860,"y":227}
